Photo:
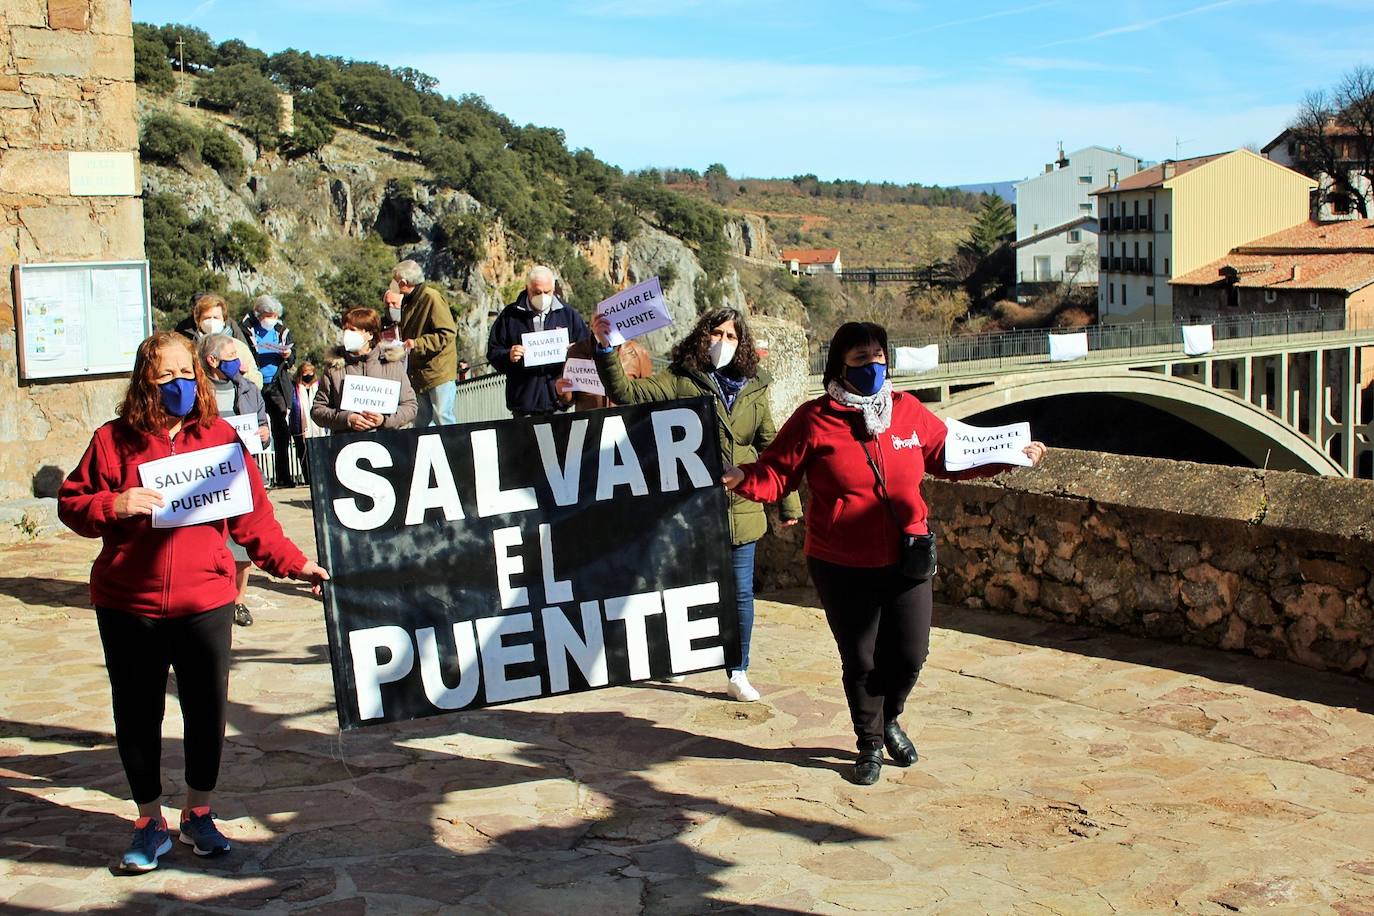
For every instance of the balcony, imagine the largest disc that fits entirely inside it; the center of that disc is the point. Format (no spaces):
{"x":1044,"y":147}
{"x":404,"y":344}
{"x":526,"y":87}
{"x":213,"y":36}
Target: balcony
{"x":1129,"y":223}
{"x":1106,"y":262}
{"x":1116,"y":265}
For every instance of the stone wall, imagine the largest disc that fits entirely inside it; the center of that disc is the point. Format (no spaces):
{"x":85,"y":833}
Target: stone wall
{"x":66,"y":84}
{"x":1273,"y":564}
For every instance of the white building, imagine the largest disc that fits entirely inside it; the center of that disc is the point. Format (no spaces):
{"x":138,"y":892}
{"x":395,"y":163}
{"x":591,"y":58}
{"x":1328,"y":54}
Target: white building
{"x":1330,"y":202}
{"x":1056,"y":219}
{"x":812,"y":261}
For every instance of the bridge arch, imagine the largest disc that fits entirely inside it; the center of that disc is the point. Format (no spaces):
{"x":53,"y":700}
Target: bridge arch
{"x":1248,"y":429}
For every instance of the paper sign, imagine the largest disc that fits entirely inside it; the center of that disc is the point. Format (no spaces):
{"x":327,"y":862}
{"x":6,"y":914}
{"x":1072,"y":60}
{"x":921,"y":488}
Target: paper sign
{"x":972,"y":446}
{"x":635,"y":311}
{"x":543,"y":348}
{"x":1197,"y":339}
{"x":916,"y":359}
{"x":582,"y":373}
{"x":201,"y":486}
{"x":246,"y":425}
{"x":1066,"y":347}
{"x":371,"y":395}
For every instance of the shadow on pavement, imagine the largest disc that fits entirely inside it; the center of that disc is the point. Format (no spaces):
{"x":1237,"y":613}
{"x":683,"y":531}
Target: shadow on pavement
{"x":1272,"y":676}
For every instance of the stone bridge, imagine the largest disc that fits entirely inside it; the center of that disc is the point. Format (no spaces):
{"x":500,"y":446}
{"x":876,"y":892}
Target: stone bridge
{"x":1290,"y":395}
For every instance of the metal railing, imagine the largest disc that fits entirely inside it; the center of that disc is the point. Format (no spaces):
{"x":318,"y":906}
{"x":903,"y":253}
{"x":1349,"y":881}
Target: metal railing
{"x":1124,"y":338}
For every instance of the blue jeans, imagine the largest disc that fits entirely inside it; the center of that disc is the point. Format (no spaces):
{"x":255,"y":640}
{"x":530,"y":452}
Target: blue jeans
{"x":743,"y":559}
{"x":435,"y":406}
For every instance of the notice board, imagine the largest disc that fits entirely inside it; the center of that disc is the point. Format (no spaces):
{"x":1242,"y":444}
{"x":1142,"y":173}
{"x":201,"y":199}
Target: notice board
{"x":83,"y":318}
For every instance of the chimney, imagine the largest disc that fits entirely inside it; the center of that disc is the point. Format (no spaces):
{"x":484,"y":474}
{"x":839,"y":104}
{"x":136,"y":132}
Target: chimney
{"x":1168,"y":168}
{"x":1049,"y":167}
{"x":1112,"y":175}
{"x":1297,"y":274}
{"x":1062,"y":161}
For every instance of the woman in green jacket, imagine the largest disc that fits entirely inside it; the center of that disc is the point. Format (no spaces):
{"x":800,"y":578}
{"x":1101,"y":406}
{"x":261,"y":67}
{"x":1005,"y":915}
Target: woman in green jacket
{"x":716,"y":359}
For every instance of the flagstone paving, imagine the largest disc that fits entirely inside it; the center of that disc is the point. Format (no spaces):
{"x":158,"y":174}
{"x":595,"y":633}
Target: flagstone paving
{"x":1062,"y":771}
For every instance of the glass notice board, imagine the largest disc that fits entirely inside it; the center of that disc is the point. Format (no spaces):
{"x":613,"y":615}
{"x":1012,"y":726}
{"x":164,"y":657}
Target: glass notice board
{"x":84,"y":318}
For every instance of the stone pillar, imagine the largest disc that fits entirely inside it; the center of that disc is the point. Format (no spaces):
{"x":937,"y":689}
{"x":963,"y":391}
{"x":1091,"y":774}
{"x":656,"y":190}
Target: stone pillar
{"x":66,"y":85}
{"x":788,"y":362}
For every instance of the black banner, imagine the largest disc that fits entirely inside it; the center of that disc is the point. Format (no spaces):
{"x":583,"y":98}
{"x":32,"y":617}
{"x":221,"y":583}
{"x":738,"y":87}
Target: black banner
{"x":494,"y":562}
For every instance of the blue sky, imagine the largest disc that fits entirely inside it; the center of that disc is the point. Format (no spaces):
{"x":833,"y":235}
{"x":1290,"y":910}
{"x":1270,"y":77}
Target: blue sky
{"x":894,"y":90}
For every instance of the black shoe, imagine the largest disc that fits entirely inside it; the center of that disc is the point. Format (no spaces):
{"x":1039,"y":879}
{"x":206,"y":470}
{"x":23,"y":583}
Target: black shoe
{"x":899,"y":746}
{"x":242,"y":616}
{"x":868,"y":767}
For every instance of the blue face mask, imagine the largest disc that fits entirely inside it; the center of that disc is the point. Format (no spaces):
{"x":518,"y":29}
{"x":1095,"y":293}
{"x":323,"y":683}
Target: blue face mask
{"x":867,"y":380}
{"x":230,"y":367}
{"x":178,"y":396}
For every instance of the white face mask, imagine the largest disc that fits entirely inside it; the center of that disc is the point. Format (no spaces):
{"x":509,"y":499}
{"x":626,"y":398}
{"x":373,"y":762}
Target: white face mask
{"x":211,"y":325}
{"x":353,"y":341}
{"x":723,"y":352}
{"x":541,"y":301}
{"x":394,"y":312}
{"x":268,"y":323}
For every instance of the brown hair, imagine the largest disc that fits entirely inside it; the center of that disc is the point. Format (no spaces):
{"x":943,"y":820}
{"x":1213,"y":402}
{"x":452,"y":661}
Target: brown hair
{"x":364,"y":319}
{"x":694,"y":350}
{"x":206,"y":301}
{"x":142,"y":406}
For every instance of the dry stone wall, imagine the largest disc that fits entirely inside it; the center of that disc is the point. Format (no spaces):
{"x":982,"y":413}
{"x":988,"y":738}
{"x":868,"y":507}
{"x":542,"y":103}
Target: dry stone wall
{"x":66,"y":84}
{"x":1277,"y":565}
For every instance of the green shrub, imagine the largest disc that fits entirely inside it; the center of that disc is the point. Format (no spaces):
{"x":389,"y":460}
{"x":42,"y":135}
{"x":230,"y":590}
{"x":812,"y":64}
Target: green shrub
{"x":362,"y":273}
{"x":219,"y":151}
{"x":464,"y":235}
{"x":168,"y":140}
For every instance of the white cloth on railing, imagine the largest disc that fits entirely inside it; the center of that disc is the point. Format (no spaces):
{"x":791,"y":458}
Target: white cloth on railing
{"x":915,"y":360}
{"x":1197,"y":339}
{"x":1066,"y":347}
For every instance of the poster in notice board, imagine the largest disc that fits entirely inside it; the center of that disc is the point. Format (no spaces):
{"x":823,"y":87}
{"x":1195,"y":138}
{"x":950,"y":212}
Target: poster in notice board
{"x":84,"y":318}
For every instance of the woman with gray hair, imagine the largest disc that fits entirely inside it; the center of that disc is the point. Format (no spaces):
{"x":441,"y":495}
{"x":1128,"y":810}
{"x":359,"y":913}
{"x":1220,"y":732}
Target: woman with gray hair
{"x":273,"y":348}
{"x":235,"y":396}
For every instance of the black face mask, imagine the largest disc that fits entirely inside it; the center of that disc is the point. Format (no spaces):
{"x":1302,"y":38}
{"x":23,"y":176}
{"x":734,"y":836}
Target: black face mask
{"x":308,"y":377}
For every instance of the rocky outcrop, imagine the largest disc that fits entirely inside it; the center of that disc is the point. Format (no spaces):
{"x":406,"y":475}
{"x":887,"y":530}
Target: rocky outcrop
{"x":748,"y":237}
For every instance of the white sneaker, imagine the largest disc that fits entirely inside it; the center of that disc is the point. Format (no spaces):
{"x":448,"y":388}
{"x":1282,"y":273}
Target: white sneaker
{"x":674,"y":679}
{"x":740,"y":689}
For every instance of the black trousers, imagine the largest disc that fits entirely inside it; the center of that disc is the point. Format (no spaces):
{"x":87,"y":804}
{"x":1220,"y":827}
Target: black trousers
{"x":881,"y":624}
{"x":281,"y":443}
{"x":138,"y":652}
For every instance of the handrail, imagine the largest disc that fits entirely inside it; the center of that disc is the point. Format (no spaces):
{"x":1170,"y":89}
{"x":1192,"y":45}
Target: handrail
{"x":1126,"y":337}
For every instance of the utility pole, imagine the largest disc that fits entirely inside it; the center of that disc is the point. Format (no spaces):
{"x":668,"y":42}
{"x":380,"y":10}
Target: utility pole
{"x":181,"y":52}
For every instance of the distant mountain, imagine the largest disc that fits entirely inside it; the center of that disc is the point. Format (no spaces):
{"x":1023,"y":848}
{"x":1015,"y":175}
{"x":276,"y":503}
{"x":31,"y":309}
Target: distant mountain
{"x":1003,"y":189}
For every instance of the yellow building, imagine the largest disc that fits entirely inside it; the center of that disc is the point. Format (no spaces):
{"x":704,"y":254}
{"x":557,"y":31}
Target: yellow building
{"x":1168,"y":220}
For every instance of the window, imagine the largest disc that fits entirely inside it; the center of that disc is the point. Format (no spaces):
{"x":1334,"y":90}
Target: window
{"x":1270,"y":296}
{"x":1233,"y":296}
{"x":1137,"y":207}
{"x":1113,"y":209}
{"x":1111,"y":292}
{"x":1340,"y":204}
{"x":1149,"y":290}
{"x":1123,"y":294}
{"x":1085,"y":179}
{"x":1151,"y":255}
{"x":1085,"y":208}
{"x":1073,"y":263}
{"x":1035,"y":227}
{"x":1196,"y":291}
{"x":1075,"y":235}
{"x":1166,"y":222}
{"x":1314,"y":300}
{"x":1111,"y":249}
{"x":1166,"y":267}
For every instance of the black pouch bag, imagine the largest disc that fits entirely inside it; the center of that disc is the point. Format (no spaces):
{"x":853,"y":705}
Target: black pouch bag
{"x":918,"y":556}
{"x":916,"y":552}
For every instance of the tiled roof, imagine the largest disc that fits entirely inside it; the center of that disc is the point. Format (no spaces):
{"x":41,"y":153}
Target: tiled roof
{"x":1055,"y":230}
{"x":1344,"y":235}
{"x":812,"y":255}
{"x":1154,"y":177}
{"x":1344,"y":271}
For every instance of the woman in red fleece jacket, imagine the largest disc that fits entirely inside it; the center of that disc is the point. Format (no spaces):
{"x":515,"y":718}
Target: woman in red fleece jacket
{"x":164,"y":597}
{"x":880,"y":618}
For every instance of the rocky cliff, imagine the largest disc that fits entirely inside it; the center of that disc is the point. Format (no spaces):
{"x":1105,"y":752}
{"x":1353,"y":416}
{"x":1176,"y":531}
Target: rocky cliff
{"x":357,"y":187}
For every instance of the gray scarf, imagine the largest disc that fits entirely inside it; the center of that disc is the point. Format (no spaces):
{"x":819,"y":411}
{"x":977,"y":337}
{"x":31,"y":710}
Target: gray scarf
{"x":877,"y":408}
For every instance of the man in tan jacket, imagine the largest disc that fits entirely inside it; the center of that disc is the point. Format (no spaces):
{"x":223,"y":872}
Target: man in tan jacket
{"x":430,"y":335}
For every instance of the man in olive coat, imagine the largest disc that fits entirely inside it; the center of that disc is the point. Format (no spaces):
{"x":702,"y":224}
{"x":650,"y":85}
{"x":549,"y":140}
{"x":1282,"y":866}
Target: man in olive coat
{"x":430,"y":335}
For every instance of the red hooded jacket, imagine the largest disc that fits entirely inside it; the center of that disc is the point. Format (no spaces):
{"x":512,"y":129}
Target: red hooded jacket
{"x":165,"y":572}
{"x":846,"y":520}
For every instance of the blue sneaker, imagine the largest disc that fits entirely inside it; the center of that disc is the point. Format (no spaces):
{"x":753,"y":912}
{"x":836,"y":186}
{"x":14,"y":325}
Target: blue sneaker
{"x":149,"y":843}
{"x":198,"y":830}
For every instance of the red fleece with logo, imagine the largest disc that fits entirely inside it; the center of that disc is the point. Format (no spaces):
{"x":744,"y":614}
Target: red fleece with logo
{"x":846,"y":521}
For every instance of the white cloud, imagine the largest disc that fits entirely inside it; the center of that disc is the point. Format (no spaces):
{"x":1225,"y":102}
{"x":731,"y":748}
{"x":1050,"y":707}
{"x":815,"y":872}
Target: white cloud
{"x":1141,"y":25}
{"x":901,"y":123}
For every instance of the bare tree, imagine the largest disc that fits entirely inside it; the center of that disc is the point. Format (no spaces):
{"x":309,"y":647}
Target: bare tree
{"x":1333,"y":137}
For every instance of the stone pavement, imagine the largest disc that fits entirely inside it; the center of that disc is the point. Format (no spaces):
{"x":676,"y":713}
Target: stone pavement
{"x":1063,"y":771}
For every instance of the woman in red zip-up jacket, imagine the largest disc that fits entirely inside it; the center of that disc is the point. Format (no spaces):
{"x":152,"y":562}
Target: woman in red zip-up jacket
{"x":164,"y":597}
{"x":880,"y":619}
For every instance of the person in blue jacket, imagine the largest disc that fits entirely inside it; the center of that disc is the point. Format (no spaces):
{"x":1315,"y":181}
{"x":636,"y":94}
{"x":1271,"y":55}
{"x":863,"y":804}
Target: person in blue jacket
{"x":530,"y":390}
